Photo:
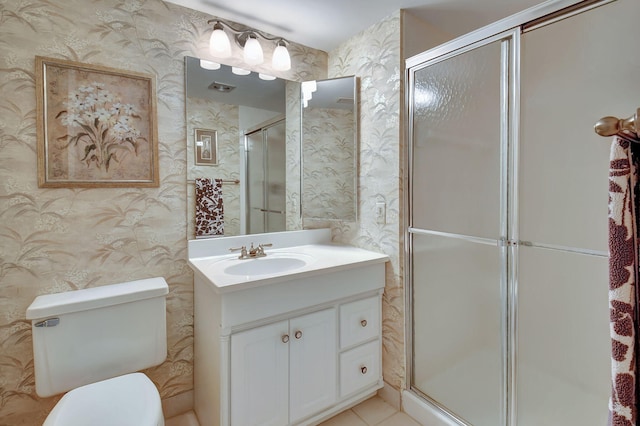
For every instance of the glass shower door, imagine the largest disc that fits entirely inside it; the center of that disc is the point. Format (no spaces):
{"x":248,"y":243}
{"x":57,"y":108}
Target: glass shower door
{"x":458,"y":231}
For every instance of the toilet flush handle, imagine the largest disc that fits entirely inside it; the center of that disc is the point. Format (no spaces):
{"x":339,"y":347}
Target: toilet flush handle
{"x":51,"y":322}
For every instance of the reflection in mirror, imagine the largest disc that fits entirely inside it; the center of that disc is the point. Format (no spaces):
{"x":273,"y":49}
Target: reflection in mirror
{"x":247,"y":113}
{"x":329,"y":149}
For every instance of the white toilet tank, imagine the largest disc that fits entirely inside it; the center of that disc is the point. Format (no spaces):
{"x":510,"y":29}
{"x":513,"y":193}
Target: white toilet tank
{"x":84,"y":336}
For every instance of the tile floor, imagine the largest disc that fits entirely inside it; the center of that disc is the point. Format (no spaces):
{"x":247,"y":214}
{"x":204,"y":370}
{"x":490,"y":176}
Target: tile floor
{"x":372,"y":412}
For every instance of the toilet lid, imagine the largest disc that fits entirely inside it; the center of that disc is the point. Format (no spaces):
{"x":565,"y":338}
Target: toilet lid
{"x":129,"y":400}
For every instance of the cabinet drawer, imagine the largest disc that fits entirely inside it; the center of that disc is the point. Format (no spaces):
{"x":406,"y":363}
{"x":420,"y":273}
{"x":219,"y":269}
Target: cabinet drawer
{"x":359,"y":367}
{"x":359,"y":321}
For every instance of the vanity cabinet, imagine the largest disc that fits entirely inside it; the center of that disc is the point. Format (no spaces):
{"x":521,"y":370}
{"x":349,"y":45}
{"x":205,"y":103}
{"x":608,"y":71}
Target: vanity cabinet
{"x":290,"y":352}
{"x":282,"y":372}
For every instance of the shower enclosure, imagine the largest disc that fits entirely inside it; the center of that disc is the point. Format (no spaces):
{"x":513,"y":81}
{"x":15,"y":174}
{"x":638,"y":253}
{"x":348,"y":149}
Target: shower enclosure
{"x":265,"y":150}
{"x":507,"y":219}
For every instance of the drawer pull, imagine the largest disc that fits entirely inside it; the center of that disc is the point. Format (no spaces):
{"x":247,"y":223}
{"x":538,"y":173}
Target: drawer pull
{"x":298,"y":334}
{"x":285,"y":338}
{"x":363,"y":323}
{"x":363,"y":370}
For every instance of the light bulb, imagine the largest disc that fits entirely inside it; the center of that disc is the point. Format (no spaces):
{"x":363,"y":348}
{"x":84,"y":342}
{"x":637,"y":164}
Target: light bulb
{"x":266,"y":77}
{"x":281,"y":60}
{"x":219,"y":44}
{"x":253,"y":51}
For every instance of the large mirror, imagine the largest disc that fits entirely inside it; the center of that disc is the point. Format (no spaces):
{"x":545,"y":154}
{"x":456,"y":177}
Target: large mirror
{"x":330,"y":149}
{"x":239,"y":131}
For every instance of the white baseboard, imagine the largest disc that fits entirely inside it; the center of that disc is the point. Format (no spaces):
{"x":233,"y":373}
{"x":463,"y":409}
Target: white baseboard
{"x":177,"y":404}
{"x":391,"y":396}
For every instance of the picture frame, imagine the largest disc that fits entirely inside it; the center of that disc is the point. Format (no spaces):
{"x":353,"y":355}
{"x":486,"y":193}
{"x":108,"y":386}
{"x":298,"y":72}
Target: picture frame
{"x":96,"y":126}
{"x":205,"y":147}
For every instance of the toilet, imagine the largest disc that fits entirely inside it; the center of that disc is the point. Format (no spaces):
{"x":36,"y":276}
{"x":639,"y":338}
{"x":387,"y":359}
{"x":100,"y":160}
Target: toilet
{"x":90,"y":343}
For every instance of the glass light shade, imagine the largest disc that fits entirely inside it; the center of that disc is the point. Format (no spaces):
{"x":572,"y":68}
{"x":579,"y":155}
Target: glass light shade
{"x":266,"y":77}
{"x":209,"y":65}
{"x":281,"y":60}
{"x":240,"y":71}
{"x":253,"y":52}
{"x":219,"y":44}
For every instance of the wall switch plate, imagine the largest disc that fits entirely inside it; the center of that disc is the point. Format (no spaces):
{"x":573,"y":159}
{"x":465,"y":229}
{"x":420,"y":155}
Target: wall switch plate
{"x":381,"y":212}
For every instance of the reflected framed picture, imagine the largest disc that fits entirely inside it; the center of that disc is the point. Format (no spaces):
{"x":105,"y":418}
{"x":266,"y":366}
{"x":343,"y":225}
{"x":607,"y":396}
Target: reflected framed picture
{"x":96,"y":126}
{"x":206,"y":147}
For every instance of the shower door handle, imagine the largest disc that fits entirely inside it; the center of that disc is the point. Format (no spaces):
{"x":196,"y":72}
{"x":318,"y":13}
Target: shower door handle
{"x":271,"y":211}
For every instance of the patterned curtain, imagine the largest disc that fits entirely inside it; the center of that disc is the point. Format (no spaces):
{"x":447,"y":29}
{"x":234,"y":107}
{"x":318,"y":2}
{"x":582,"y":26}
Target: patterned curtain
{"x":623,"y":279}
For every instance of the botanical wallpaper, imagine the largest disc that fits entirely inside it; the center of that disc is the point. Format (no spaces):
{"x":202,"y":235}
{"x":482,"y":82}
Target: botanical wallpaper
{"x":293,"y":135}
{"x":202,"y":113}
{"x":374,"y":56}
{"x":54,"y":240}
{"x":328,"y":163}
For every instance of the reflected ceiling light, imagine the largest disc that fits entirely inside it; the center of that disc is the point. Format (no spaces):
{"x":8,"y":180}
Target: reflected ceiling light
{"x":209,"y":65}
{"x":240,"y":71}
{"x":220,"y":46}
{"x":266,"y":77}
{"x":308,"y":87}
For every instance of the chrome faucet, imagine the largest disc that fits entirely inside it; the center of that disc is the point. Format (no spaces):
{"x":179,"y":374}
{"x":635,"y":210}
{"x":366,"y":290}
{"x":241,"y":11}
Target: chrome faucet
{"x":253,"y":252}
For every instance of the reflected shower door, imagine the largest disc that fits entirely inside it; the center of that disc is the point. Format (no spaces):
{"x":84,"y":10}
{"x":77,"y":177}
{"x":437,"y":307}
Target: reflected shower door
{"x":266,"y":177}
{"x":457,"y":223}
{"x":256,"y":181}
{"x":275,"y":189}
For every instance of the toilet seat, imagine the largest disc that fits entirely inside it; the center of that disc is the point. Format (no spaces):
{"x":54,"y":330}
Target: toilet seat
{"x":129,"y":400}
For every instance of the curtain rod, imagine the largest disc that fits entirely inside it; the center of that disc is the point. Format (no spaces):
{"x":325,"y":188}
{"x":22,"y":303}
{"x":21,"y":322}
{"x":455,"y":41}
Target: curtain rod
{"x":611,"y":126}
{"x":232,"y":181}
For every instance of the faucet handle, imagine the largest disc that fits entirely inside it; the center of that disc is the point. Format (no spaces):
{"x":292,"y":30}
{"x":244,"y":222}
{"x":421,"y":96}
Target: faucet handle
{"x":242,"y":250}
{"x":266,"y":245}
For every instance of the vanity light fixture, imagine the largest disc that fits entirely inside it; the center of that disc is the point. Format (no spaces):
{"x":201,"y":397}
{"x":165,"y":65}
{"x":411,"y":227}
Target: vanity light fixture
{"x":266,"y":77}
{"x":220,"y":45}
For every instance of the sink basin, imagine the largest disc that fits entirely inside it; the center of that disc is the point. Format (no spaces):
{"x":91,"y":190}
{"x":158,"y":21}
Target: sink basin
{"x":271,"y":264}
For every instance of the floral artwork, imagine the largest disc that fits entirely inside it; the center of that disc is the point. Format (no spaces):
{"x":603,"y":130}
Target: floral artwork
{"x":97,"y":126}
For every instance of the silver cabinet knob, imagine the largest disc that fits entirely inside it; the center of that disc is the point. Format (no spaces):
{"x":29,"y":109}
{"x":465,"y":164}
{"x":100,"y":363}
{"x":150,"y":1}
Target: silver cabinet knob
{"x":298,"y":334}
{"x":363,"y":370}
{"x":285,"y":338}
{"x":363,"y":323}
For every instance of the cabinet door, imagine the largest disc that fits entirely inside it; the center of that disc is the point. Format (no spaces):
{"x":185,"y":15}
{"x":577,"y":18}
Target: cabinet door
{"x":312,"y":375}
{"x":259,"y":376}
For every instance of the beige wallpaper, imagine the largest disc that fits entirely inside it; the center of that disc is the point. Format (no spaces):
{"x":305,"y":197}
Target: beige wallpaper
{"x":53,"y":240}
{"x":328,"y":163}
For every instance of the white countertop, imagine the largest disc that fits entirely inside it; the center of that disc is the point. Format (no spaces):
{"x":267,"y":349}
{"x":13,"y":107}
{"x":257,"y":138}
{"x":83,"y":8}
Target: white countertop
{"x":321,"y":258}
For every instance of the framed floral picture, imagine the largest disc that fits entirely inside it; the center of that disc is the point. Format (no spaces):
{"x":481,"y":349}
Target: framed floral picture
{"x":96,"y":126}
{"x":206,"y":147}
